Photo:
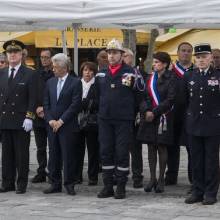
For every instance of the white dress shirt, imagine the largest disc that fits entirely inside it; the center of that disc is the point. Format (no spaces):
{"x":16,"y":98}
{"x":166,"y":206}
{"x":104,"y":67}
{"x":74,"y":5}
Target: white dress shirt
{"x":16,"y":70}
{"x":62,"y":79}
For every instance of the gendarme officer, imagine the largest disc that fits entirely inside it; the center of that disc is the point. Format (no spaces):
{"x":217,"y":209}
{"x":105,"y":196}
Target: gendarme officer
{"x":17,"y":104}
{"x":202,"y":95}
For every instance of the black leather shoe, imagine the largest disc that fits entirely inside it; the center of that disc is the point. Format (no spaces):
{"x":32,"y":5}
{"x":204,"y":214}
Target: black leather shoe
{"x":38,"y":179}
{"x":160,"y":186}
{"x":6,"y":189}
{"x":70,"y":190}
{"x":106,"y":192}
{"x":151,"y":185}
{"x":193,"y":199}
{"x":52,"y":189}
{"x":120,"y":192}
{"x":20,"y":191}
{"x":209,"y":201}
{"x":137,"y":184}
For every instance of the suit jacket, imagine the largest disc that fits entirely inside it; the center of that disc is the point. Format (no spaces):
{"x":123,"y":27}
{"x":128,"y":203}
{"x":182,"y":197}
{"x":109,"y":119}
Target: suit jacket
{"x":67,"y":106}
{"x":19,"y":100}
{"x":202,"y":99}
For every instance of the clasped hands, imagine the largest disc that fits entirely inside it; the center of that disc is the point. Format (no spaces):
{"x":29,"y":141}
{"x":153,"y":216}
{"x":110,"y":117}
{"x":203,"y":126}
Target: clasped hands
{"x":149,"y":116}
{"x":55,"y":124}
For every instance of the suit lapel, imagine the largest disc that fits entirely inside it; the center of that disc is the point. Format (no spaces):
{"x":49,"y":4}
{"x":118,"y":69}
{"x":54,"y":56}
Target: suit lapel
{"x":65,"y":87}
{"x":14,"y":83}
{"x":17,"y":78}
{"x":54,"y":89}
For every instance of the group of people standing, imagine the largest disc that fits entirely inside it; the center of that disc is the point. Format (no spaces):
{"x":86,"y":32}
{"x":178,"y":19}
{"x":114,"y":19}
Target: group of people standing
{"x":112,"y":109}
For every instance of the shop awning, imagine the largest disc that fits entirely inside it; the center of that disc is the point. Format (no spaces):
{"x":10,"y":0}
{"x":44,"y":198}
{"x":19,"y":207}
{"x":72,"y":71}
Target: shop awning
{"x":87,"y":37}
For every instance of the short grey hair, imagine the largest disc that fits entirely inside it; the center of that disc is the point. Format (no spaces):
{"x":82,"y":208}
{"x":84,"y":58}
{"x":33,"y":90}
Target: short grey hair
{"x":127,"y":50}
{"x":61,"y":60}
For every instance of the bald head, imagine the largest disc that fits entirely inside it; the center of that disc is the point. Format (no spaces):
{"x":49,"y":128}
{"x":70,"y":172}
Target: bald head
{"x":128,"y":57}
{"x":102,"y":59}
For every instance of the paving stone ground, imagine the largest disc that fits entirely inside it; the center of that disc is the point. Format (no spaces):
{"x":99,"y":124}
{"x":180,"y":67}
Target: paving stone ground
{"x":34,"y":205}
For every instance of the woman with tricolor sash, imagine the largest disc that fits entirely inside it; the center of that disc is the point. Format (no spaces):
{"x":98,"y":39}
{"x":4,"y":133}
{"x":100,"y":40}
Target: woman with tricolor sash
{"x":156,"y":127}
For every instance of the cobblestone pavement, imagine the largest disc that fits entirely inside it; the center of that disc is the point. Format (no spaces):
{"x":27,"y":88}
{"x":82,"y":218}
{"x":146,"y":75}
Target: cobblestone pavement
{"x":85,"y":205}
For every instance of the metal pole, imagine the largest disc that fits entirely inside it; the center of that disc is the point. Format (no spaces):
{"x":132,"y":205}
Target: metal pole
{"x":64,"y":42}
{"x":151,"y":46}
{"x":76,"y":61}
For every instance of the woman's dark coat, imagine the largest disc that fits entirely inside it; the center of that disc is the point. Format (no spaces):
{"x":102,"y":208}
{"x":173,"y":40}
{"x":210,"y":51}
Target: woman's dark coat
{"x":148,"y":131}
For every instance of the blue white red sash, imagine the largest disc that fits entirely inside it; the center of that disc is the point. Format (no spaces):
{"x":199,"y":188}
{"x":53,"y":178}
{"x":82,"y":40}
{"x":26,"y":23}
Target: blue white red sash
{"x":178,"y":69}
{"x":154,"y":94}
{"x":152,"y":89}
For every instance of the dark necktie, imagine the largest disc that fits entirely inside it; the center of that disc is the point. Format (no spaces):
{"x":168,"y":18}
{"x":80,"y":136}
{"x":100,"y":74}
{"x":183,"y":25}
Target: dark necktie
{"x":11,"y":76}
{"x":203,"y":73}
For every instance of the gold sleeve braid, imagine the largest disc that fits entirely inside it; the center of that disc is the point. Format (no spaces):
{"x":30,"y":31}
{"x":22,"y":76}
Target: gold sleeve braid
{"x":30,"y":115}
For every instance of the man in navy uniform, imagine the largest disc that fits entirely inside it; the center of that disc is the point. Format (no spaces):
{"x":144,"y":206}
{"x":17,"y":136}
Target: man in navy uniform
{"x":202,"y":95}
{"x":17,"y":107}
{"x":117,"y":92}
{"x":62,"y":103}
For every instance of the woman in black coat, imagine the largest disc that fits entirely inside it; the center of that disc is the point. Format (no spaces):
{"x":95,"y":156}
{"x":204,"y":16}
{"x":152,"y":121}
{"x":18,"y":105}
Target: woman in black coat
{"x":88,"y":136}
{"x":156,"y":126}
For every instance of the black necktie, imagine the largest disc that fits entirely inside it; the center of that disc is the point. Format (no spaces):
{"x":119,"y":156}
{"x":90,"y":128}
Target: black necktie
{"x":11,"y":76}
{"x":203,"y":73}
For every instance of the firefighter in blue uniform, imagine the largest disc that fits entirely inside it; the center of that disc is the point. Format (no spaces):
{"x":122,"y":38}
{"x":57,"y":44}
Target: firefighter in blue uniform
{"x":202,"y":95}
{"x":118,"y":90}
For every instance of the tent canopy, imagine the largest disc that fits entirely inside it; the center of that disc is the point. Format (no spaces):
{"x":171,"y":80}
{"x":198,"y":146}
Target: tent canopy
{"x":46,"y":14}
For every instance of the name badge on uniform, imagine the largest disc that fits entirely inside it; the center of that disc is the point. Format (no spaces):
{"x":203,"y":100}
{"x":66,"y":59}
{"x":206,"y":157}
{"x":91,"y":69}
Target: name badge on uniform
{"x":212,"y":82}
{"x":112,"y":86}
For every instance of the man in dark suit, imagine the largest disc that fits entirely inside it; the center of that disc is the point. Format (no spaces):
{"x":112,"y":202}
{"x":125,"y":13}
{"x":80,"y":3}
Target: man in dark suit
{"x":62,"y":103}
{"x":179,"y":69}
{"x":136,"y":146}
{"x":40,"y":131}
{"x":17,"y":107}
{"x":202,"y":95}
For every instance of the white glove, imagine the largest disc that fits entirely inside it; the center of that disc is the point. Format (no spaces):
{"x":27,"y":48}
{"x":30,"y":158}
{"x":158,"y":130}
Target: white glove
{"x":27,"y":125}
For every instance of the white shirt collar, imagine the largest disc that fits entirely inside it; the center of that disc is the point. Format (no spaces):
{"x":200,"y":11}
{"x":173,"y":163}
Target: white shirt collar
{"x":205,"y":71}
{"x":15,"y":67}
{"x":63,"y":78}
